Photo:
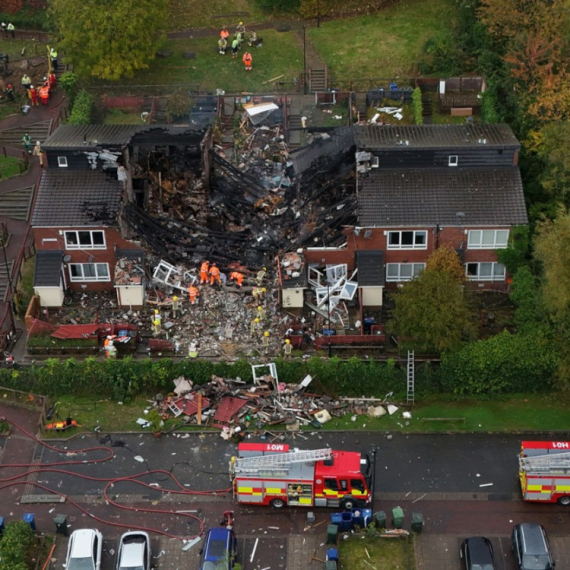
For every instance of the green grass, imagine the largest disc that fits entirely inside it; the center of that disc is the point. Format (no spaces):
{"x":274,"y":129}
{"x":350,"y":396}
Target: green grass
{"x":385,"y":45}
{"x":363,"y":552}
{"x":516,"y":413}
{"x":26,"y":283}
{"x":280,"y":55}
{"x":14,"y":48}
{"x":120,"y":117}
{"x":185,"y":14}
{"x":10,"y":166}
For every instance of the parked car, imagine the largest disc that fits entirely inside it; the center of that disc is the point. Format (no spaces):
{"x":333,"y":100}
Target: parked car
{"x":531,"y":548}
{"x":220,"y":549}
{"x":133,"y":551}
{"x":84,"y":550}
{"x":477,"y":553}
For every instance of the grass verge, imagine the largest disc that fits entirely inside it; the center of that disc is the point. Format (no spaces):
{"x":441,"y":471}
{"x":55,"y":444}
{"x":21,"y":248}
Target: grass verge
{"x":384,"y":45}
{"x":14,"y":47}
{"x":362,"y":552}
{"x":280,"y":55}
{"x":10,"y":166}
{"x":521,"y":413}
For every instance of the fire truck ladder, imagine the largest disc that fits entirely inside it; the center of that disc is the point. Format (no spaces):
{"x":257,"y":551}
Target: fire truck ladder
{"x":546,"y":463}
{"x":410,"y":378}
{"x":278,"y":460}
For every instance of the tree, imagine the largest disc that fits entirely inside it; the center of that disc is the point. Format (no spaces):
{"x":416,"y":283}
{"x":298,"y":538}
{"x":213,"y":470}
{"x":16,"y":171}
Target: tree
{"x":14,"y":545}
{"x":110,"y":39}
{"x":433,"y":313}
{"x":445,"y":259}
{"x":552,"y":248}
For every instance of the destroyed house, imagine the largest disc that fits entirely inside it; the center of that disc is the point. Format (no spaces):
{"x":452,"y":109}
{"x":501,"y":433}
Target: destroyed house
{"x":78,"y":211}
{"x":422,"y":187}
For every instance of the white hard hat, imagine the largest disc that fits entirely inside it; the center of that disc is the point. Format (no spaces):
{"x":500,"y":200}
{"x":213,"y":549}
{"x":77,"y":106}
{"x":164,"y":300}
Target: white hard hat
{"x":38,"y":143}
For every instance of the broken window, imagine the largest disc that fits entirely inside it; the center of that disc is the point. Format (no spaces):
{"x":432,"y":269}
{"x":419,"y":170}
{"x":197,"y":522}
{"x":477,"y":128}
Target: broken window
{"x":85,"y":239}
{"x":485,"y":271}
{"x":89,"y":272}
{"x":407,"y":240}
{"x":488,"y":239}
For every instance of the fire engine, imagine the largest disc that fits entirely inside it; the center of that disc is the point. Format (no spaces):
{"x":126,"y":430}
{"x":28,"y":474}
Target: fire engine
{"x":544,"y":471}
{"x":272,"y":474}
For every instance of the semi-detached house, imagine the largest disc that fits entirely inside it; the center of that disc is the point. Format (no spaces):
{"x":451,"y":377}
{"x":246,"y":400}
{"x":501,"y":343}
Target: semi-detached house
{"x":422,"y":187}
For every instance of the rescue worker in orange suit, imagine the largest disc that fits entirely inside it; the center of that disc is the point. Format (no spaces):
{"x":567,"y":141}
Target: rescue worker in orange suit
{"x":204,"y":268}
{"x":224,"y":34}
{"x":247,"y":61}
{"x":237,"y":277}
{"x":44,"y":94}
{"x":193,"y":292}
{"x":214,"y":275}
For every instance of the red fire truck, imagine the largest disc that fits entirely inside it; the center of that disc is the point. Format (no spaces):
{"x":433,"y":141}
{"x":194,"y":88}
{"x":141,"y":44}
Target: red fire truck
{"x":544,"y":471}
{"x":272,"y":474}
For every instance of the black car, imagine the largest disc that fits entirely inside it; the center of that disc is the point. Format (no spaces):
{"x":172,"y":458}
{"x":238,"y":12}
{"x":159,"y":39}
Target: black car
{"x":531,"y":548}
{"x":477,"y":553}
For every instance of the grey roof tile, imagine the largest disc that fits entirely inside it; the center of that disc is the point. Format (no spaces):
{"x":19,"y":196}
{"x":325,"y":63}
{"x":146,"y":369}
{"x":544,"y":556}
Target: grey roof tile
{"x":445,"y":196}
{"x":435,"y":136}
{"x":77,"y":198}
{"x":48,"y":268}
{"x":370,"y":265}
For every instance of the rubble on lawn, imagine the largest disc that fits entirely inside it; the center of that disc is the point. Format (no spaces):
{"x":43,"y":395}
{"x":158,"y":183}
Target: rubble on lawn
{"x":232,"y":405}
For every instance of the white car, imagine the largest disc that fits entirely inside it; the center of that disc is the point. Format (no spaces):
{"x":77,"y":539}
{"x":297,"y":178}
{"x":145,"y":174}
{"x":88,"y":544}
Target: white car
{"x":84,"y":550}
{"x":134,"y":551}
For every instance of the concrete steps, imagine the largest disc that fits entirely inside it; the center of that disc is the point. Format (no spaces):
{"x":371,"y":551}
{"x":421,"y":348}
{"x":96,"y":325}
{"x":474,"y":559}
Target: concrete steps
{"x":318,"y":79}
{"x":16,"y":204}
{"x":37,"y":131}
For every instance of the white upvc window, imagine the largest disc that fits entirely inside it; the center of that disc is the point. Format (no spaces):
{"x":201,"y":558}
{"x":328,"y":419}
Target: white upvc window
{"x":488,"y":239}
{"x":85,"y":239}
{"x":403,"y":271}
{"x":413,"y":239}
{"x":89,"y":272}
{"x":453,"y":160}
{"x":485,"y":271}
{"x":62,"y":161}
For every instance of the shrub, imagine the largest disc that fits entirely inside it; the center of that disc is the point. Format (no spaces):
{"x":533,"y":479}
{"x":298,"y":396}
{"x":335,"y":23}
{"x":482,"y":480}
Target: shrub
{"x":418,"y":106}
{"x":68,"y":82}
{"x":82,"y":109}
{"x":15,"y":542}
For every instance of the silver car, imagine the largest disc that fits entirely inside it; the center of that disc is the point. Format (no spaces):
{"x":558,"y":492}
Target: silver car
{"x":133,"y":552}
{"x":84,"y":550}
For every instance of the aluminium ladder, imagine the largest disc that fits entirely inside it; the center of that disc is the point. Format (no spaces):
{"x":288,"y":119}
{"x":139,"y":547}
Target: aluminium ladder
{"x":278,"y":460}
{"x":545,"y":463}
{"x":410,"y":385}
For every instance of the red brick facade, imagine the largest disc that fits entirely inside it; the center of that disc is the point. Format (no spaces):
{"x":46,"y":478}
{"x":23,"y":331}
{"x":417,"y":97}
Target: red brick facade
{"x":53,"y":239}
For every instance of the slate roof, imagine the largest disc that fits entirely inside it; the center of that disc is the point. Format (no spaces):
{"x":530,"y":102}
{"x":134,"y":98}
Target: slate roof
{"x":393,"y":137}
{"x":89,"y":137}
{"x":445,"y":196}
{"x":77,"y":198}
{"x":48,"y":268}
{"x":370,"y":265}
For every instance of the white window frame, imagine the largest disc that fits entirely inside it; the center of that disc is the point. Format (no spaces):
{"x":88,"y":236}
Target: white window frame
{"x":399,"y":277}
{"x":62,"y":161}
{"x":475,"y":239}
{"x":79,"y":245}
{"x":89,"y":278}
{"x":453,"y":160}
{"x":494,"y":276}
{"x":413,"y":245}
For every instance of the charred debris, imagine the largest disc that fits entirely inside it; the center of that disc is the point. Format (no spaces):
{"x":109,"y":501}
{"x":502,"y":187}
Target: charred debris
{"x":243,"y":196}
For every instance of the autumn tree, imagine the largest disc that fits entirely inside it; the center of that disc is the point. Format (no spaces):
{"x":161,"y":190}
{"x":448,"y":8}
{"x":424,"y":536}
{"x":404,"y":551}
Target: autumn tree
{"x":432,"y":313}
{"x":110,"y":39}
{"x":445,"y":259}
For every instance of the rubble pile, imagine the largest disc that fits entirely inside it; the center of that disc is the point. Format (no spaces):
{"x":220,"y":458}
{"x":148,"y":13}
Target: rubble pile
{"x":234,"y":406}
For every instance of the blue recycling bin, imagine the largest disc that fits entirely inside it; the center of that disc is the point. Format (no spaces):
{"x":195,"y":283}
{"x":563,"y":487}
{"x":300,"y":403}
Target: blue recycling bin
{"x":336,"y":519}
{"x":30,"y":519}
{"x":346,"y":522}
{"x":332,"y":554}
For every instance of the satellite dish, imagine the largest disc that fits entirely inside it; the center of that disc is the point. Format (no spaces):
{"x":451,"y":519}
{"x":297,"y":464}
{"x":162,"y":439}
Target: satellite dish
{"x":67,"y":258}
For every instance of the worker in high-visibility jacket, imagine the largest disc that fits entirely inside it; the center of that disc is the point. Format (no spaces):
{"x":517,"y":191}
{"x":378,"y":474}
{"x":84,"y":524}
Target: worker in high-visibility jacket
{"x":247,"y":60}
{"x":214,"y":273}
{"x":204,"y":271}
{"x":261,"y":312}
{"x":265,"y":342}
{"x":193,"y":292}
{"x":255,"y":327}
{"x":237,"y":277}
{"x":287,"y":348}
{"x":44,"y":94}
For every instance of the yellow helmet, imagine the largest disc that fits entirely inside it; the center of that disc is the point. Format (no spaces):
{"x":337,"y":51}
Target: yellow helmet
{"x":266,"y":333}
{"x":156,"y":311}
{"x":287,"y":341}
{"x":264,"y":289}
{"x":256,"y":320}
{"x":241,"y":23}
{"x":260,"y":308}
{"x":175,"y":298}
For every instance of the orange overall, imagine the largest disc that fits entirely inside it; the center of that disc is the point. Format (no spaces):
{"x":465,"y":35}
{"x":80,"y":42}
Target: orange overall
{"x":204,"y":272}
{"x":214,"y":275}
{"x":237,"y":277}
{"x":193,"y":292}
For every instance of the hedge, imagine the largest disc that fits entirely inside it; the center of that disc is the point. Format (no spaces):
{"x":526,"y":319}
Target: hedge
{"x":14,"y":545}
{"x":82,"y":109}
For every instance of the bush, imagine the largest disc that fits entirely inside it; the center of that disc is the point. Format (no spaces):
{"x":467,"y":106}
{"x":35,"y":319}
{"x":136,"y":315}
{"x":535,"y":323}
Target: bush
{"x":31,"y":17}
{"x":418,"y":106}
{"x":15,"y":542}
{"x":82,"y":109}
{"x":280,"y":5}
{"x":68,"y":82}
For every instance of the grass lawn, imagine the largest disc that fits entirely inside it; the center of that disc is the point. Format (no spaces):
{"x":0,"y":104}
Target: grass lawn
{"x":363,"y":552}
{"x":516,"y":414}
{"x":120,"y":117}
{"x":280,"y":55}
{"x":10,"y":166}
{"x":382,"y":46}
{"x":185,"y":14}
{"x":14,"y":48}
